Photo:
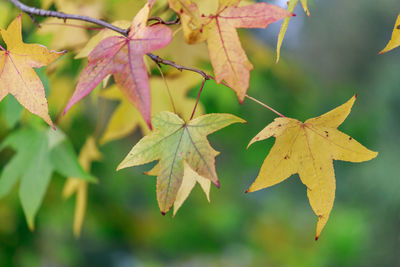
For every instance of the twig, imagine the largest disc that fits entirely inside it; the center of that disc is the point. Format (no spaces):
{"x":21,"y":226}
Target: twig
{"x":48,"y":13}
{"x":125,"y":32}
{"x":159,"y":60}
{"x":198,"y":98}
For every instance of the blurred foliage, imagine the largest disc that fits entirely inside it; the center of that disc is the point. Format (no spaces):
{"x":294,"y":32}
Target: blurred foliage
{"x":325,"y":60}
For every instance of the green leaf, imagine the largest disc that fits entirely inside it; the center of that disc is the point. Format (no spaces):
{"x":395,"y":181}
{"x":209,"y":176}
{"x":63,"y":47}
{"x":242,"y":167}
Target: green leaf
{"x":35,"y":180}
{"x":18,"y":164}
{"x":174,"y":142}
{"x":39,"y":152}
{"x":64,"y":160}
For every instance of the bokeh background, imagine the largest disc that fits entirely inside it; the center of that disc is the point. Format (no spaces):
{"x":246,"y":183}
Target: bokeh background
{"x":327,"y":58}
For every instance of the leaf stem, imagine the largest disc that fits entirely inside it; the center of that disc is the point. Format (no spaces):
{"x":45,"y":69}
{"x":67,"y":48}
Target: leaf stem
{"x":265,"y":106}
{"x":2,"y":48}
{"x":167,"y":87}
{"x":198,"y":98}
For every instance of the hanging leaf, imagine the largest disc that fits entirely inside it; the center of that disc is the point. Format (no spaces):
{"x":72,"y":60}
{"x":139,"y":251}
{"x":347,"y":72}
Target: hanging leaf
{"x":17,"y":76}
{"x":309,"y":149}
{"x":174,"y":142}
{"x":227,"y":56}
{"x":123,"y":58}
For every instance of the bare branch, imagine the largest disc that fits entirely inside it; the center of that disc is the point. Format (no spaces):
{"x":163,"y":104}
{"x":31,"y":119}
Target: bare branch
{"x":48,"y":13}
{"x":159,"y":60}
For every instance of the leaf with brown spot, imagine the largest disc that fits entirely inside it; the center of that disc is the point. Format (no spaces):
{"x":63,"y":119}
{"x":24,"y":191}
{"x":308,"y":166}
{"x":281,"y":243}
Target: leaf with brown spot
{"x":309,"y":149}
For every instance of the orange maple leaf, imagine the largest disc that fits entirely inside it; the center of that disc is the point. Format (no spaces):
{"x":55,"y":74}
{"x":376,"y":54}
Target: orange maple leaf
{"x":17,"y":76}
{"x":227,"y":56}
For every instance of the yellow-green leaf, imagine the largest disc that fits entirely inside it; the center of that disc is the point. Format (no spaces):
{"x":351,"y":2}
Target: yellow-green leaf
{"x":174,"y":142}
{"x":190,"y":177}
{"x":309,"y":149}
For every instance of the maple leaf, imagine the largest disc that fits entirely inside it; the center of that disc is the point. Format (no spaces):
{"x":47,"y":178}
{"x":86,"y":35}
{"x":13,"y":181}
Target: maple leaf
{"x":88,"y":154}
{"x":395,"y":39}
{"x":123,"y":58}
{"x":39,"y":153}
{"x":227,"y":56}
{"x":17,"y":76}
{"x":291,"y":5}
{"x":174,"y":142}
{"x":309,"y":149}
{"x":126,"y":117}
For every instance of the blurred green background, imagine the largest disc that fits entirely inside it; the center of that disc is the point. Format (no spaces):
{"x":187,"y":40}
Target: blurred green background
{"x":327,"y":58}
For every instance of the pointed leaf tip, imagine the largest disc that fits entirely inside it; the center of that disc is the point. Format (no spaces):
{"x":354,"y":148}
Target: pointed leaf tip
{"x":316,"y":238}
{"x":217,"y":184}
{"x":163,"y":213}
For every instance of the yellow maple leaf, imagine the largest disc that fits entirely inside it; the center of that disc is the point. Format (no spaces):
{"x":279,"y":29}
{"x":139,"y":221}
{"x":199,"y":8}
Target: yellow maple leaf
{"x":17,"y":76}
{"x":395,"y":39}
{"x":126,"y":117}
{"x":309,"y":149}
{"x":88,"y":154}
{"x":291,"y":5}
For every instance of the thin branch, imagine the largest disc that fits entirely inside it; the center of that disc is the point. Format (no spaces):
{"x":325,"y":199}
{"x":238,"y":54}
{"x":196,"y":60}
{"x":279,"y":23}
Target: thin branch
{"x":159,"y":60}
{"x":48,"y":13}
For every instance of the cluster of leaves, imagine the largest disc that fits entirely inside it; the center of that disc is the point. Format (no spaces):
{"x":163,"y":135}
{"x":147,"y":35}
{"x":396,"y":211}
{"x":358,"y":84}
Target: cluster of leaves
{"x":176,"y":140}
